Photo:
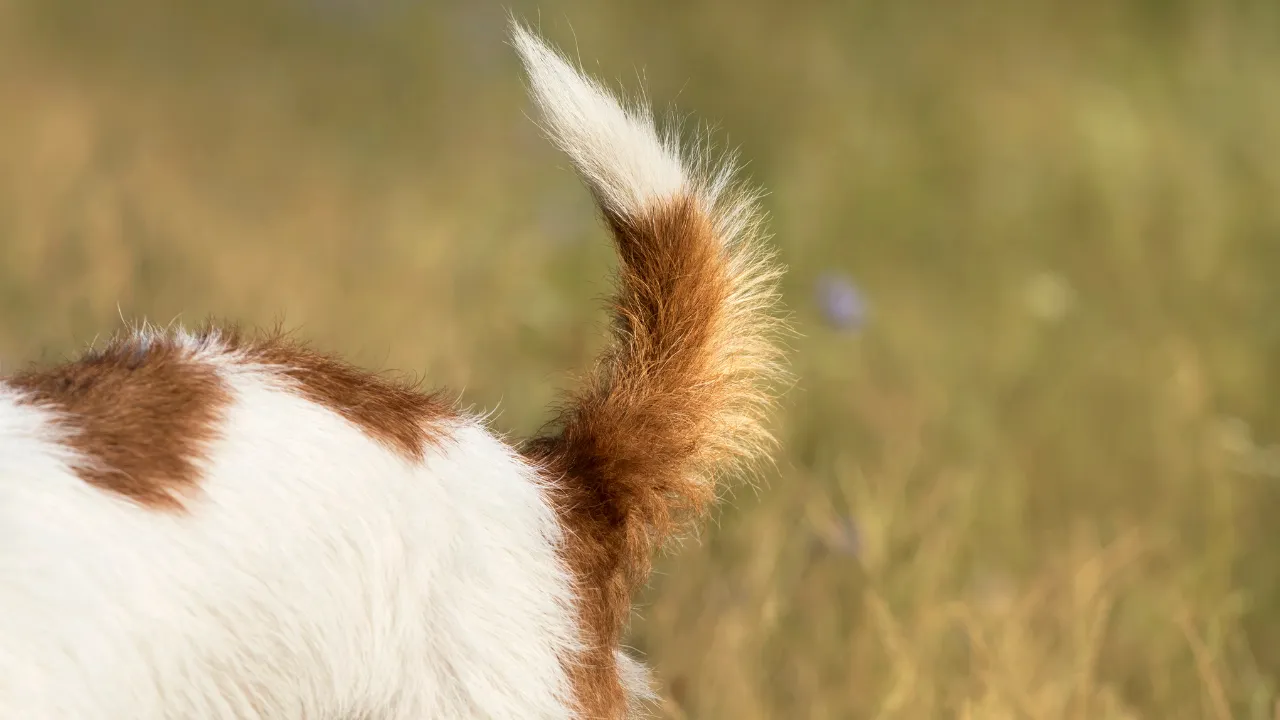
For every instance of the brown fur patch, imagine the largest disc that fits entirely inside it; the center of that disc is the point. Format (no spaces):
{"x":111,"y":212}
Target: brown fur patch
{"x":393,"y":413}
{"x":140,"y":413}
{"x":625,"y":460}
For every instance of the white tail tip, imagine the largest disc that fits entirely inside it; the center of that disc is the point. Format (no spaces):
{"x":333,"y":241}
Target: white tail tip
{"x":615,"y":147}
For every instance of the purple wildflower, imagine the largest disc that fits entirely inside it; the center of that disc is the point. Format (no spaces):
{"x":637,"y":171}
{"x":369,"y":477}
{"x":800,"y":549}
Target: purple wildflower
{"x":845,"y":539}
{"x":841,"y":302}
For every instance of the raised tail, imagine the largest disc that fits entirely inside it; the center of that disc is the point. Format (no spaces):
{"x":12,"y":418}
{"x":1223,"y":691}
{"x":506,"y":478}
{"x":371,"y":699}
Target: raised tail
{"x":680,"y":398}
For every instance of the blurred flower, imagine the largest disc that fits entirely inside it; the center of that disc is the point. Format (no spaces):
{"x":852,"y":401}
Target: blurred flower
{"x":841,"y":537}
{"x":846,"y":540}
{"x":1049,"y":297}
{"x":841,"y":302}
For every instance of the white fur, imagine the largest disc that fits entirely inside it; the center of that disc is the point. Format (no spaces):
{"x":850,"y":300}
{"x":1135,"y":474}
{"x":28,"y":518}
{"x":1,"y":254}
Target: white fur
{"x":624,"y":158}
{"x":616,"y":149}
{"x":315,"y":575}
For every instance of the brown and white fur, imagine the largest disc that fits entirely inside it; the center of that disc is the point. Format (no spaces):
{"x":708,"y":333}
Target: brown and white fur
{"x":201,"y":524}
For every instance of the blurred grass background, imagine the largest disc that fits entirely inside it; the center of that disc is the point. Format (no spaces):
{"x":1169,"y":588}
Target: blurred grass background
{"x":1031,"y":468}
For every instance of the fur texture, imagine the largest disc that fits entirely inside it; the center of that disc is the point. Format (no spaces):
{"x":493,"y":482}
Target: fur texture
{"x":680,"y":397}
{"x":207,"y":525}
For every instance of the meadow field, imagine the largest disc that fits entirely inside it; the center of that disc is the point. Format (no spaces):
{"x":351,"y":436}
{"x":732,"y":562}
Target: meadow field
{"x":1031,"y":465}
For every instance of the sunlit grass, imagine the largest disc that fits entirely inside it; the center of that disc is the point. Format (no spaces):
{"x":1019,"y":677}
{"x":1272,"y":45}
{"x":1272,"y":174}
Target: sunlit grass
{"x":1035,"y":476}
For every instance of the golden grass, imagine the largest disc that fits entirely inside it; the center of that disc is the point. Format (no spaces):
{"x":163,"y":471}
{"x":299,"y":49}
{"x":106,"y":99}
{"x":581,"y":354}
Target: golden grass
{"x":1042,"y":481}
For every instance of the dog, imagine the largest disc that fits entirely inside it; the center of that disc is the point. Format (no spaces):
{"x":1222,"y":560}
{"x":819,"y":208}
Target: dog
{"x":205,"y":523}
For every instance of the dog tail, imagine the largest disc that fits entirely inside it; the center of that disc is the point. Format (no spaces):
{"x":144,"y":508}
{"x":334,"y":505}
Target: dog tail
{"x":680,"y":398}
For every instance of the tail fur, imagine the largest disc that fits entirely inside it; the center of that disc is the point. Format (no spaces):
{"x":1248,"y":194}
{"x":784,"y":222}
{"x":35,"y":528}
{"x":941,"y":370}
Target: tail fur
{"x":681,"y":396}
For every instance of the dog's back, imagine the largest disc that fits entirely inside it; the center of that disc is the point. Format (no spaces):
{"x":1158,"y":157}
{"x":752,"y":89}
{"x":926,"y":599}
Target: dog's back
{"x":207,"y":525}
